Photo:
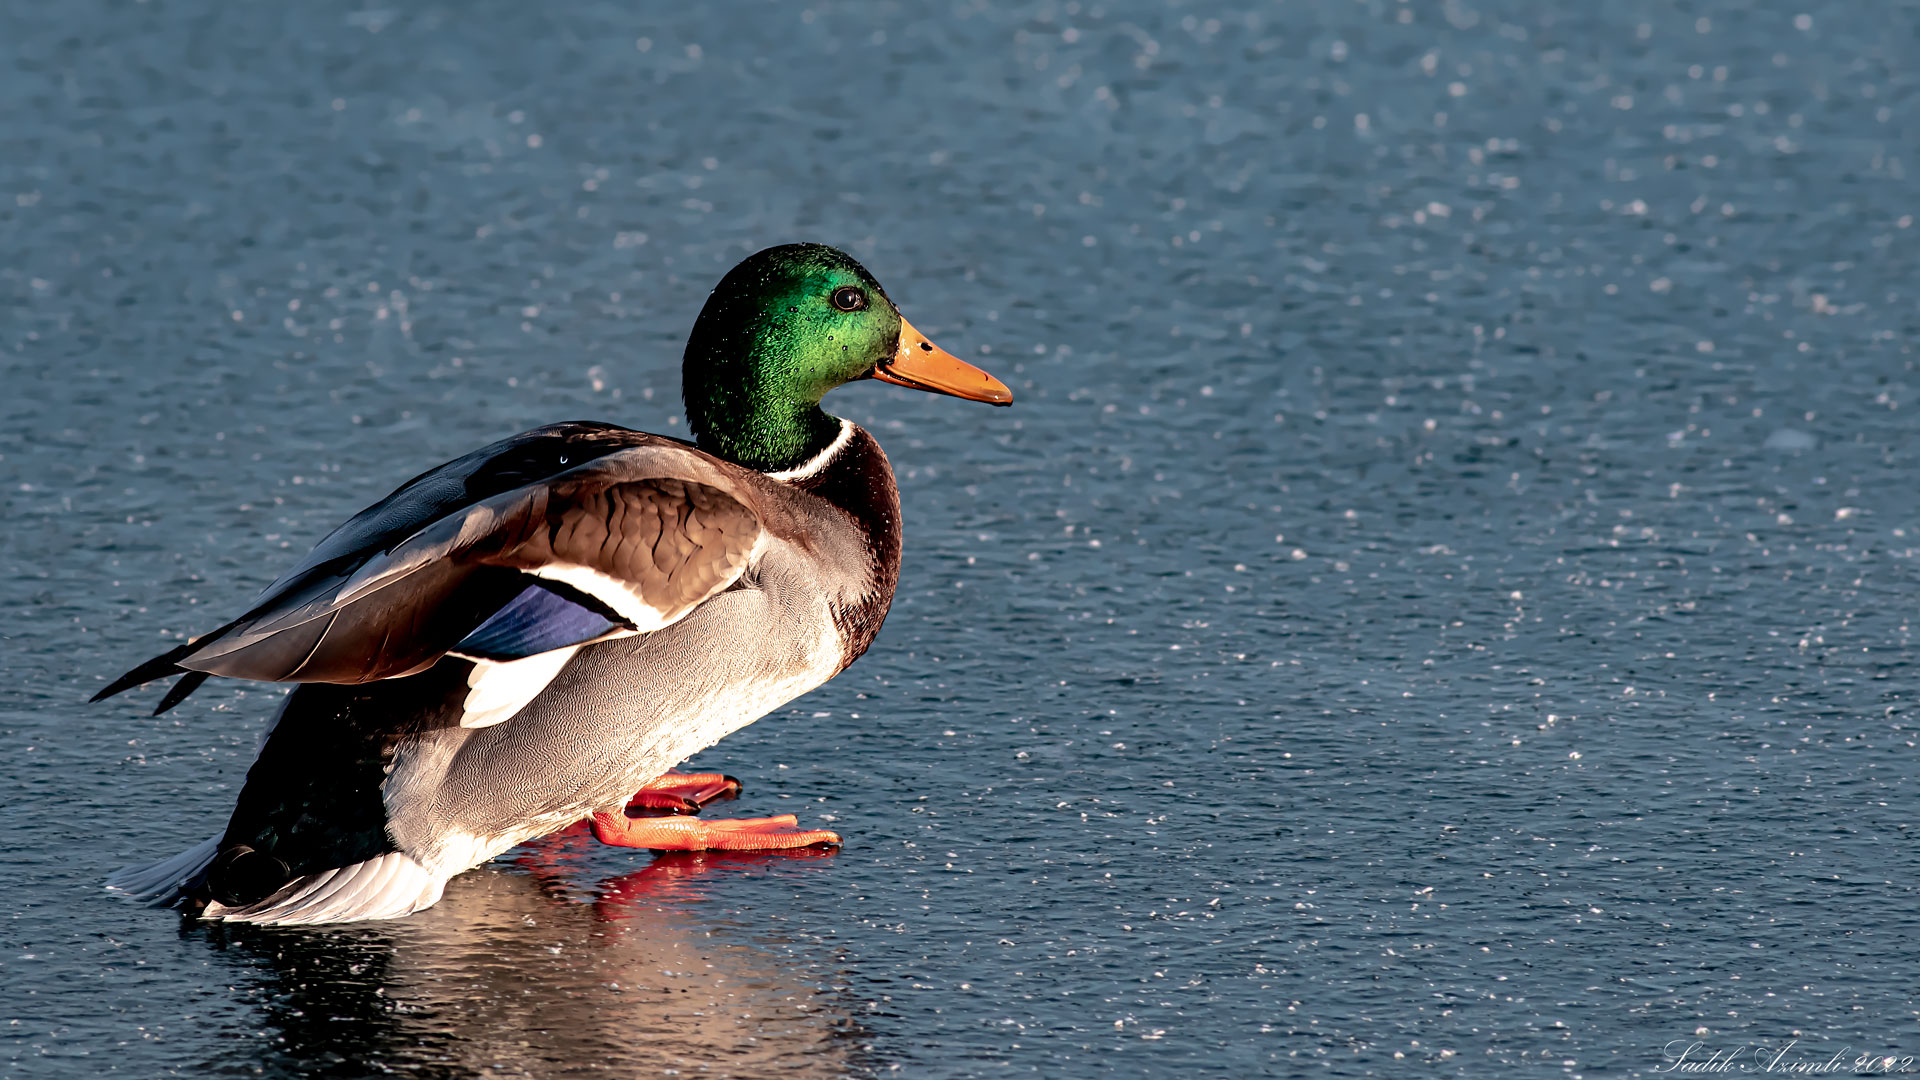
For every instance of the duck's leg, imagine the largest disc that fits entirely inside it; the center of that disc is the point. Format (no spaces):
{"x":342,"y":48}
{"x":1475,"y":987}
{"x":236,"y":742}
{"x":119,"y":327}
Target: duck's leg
{"x":692,"y":834}
{"x":681,"y":793}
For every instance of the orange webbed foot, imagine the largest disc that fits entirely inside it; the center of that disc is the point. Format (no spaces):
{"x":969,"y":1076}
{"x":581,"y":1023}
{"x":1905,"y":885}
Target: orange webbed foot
{"x":682,"y":793}
{"x":692,"y":834}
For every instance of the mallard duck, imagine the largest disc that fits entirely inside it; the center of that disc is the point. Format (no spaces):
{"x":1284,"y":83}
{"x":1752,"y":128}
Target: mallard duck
{"x":534,"y":634}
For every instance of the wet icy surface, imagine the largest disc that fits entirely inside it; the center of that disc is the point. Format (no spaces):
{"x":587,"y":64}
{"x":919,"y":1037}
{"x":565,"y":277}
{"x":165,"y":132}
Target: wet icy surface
{"x":1444,"y":591}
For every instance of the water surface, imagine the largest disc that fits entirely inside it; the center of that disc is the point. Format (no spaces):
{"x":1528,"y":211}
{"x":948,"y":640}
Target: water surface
{"x":1443,"y":596}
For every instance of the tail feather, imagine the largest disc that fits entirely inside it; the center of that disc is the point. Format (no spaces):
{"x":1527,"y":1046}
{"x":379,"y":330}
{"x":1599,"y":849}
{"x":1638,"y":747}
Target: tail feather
{"x":168,"y":880}
{"x":385,"y":887}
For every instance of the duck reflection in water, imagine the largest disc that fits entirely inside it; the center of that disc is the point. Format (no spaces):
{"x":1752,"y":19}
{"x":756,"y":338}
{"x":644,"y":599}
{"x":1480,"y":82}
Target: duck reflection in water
{"x":520,"y":971}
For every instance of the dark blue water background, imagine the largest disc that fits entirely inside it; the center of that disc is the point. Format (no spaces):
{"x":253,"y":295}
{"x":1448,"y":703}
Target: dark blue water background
{"x":1442,"y":602}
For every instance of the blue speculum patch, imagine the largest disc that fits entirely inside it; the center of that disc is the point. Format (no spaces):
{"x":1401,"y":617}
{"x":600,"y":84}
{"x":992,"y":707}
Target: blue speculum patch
{"x":538,"y":620}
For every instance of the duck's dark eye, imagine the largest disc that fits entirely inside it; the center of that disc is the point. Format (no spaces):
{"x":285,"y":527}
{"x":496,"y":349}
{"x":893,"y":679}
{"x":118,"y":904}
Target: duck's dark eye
{"x":849,"y":299}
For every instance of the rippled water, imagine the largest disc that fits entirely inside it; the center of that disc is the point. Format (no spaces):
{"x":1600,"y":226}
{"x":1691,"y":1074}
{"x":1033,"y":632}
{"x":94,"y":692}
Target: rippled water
{"x":1443,"y":596}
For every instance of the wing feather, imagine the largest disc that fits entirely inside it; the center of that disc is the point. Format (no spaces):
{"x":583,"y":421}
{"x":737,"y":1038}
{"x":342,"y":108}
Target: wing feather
{"x":649,"y":531}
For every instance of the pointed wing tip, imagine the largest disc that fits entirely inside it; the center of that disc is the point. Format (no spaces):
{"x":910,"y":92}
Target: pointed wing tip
{"x":180,"y":691}
{"x":158,"y":668}
{"x":120,"y":685}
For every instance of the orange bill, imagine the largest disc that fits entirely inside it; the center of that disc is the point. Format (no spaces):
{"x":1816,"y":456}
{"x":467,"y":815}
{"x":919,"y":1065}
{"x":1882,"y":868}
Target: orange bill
{"x":921,"y":364}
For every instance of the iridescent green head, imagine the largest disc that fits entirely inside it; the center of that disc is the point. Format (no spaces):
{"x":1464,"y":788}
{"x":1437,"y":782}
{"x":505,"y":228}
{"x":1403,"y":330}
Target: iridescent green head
{"x":782,"y":329}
